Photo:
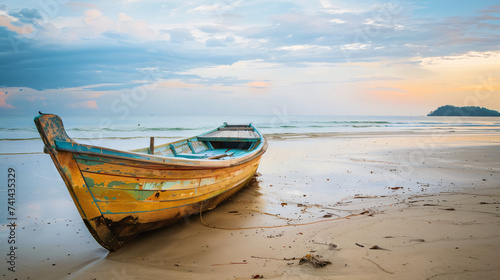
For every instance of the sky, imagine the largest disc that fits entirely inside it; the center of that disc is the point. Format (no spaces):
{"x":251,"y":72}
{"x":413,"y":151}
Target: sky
{"x":233,"y":57}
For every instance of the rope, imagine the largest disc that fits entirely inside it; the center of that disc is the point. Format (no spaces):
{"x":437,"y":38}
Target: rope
{"x":278,"y":226}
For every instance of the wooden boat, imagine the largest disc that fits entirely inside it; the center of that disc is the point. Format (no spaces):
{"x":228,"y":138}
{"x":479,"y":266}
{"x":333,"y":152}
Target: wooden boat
{"x":120,"y":194}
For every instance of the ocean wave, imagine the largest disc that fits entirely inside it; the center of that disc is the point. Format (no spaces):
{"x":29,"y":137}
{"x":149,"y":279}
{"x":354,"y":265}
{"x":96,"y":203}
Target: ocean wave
{"x":84,"y":129}
{"x":135,"y":129}
{"x":20,"y":139}
{"x":96,"y":138}
{"x":288,"y":126}
{"x":339,"y":122}
{"x":15,"y":129}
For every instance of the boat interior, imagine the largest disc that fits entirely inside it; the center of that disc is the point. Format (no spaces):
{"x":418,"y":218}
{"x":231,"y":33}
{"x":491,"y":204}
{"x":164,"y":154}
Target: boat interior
{"x":228,"y":141}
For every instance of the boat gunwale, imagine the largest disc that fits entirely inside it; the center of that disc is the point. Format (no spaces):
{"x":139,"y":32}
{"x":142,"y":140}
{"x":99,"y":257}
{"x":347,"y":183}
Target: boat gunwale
{"x":171,"y":160}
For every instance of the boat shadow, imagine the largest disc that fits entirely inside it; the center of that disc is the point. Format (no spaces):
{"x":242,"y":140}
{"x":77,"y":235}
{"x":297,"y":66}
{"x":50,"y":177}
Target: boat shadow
{"x":230,"y":213}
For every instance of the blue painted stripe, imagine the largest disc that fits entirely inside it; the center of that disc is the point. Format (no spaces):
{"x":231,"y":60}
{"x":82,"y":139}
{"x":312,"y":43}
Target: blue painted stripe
{"x":191,"y":146}
{"x":172,"y":148}
{"x":75,"y":147}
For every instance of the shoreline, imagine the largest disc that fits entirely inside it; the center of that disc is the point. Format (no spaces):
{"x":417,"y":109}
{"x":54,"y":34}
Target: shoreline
{"x":416,"y":133}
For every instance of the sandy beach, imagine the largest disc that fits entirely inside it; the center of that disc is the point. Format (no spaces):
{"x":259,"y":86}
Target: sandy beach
{"x":381,"y":158}
{"x":380,"y":205}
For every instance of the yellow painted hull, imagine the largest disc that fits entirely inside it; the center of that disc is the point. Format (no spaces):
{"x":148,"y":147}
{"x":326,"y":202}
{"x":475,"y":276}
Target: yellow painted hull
{"x":120,"y":197}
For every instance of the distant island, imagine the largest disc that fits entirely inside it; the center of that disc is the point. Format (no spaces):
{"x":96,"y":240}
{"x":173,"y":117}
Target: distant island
{"x":467,"y":111}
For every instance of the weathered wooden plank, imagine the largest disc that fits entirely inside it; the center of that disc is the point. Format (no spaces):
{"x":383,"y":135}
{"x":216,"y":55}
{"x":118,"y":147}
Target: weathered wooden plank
{"x":231,"y":134}
{"x":174,"y":213}
{"x":155,"y":191}
{"x":237,"y":128}
{"x":152,"y":145}
{"x":88,"y":163}
{"x":148,"y":206}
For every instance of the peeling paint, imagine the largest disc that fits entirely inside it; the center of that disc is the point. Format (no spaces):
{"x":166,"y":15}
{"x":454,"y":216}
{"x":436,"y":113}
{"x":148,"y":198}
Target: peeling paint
{"x":207,"y":181}
{"x":122,"y":185}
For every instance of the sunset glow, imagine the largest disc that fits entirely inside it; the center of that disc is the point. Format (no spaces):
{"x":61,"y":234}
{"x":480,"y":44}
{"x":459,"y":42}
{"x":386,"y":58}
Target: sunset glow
{"x":323,"y":57}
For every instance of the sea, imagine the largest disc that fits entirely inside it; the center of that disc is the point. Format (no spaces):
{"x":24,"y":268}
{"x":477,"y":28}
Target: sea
{"x":18,"y":134}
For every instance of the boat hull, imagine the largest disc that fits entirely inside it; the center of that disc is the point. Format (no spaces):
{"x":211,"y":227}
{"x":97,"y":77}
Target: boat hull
{"x":156,"y":196}
{"x":119,"y":198}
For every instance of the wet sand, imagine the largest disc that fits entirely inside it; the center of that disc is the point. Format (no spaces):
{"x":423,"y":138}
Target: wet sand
{"x":429,"y":202}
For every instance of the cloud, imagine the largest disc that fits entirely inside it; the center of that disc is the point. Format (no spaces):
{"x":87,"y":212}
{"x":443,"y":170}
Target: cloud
{"x":73,"y":100}
{"x":179,"y":35}
{"x":298,"y":47}
{"x":96,"y":22}
{"x":239,"y":46}
{"x":53,"y":67}
{"x":491,"y":9}
{"x":97,"y":25}
{"x":215,"y":28}
{"x":178,"y":84}
{"x":355,"y":46}
{"x":35,"y":98}
{"x":26,"y":15}
{"x":337,"y":20}
{"x":6,"y":21}
{"x":134,"y":27}
{"x":259,"y":84}
{"x":458,"y":62}
{"x":76,"y":6}
{"x":89,"y":104}
{"x":478,"y":87}
{"x":393,"y":89}
{"x":3,"y":101}
{"x":372,"y":78}
{"x":213,"y":43}
{"x":207,"y":8}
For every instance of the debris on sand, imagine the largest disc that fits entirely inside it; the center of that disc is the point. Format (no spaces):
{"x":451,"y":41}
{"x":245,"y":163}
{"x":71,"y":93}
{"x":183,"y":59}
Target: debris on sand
{"x":331,"y":246}
{"x":376,"y":247}
{"x":312,"y":259}
{"x":417,"y":240}
{"x":218,"y":264}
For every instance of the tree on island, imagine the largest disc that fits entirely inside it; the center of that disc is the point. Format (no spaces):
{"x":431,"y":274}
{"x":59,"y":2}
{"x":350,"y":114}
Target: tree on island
{"x":467,"y":111}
